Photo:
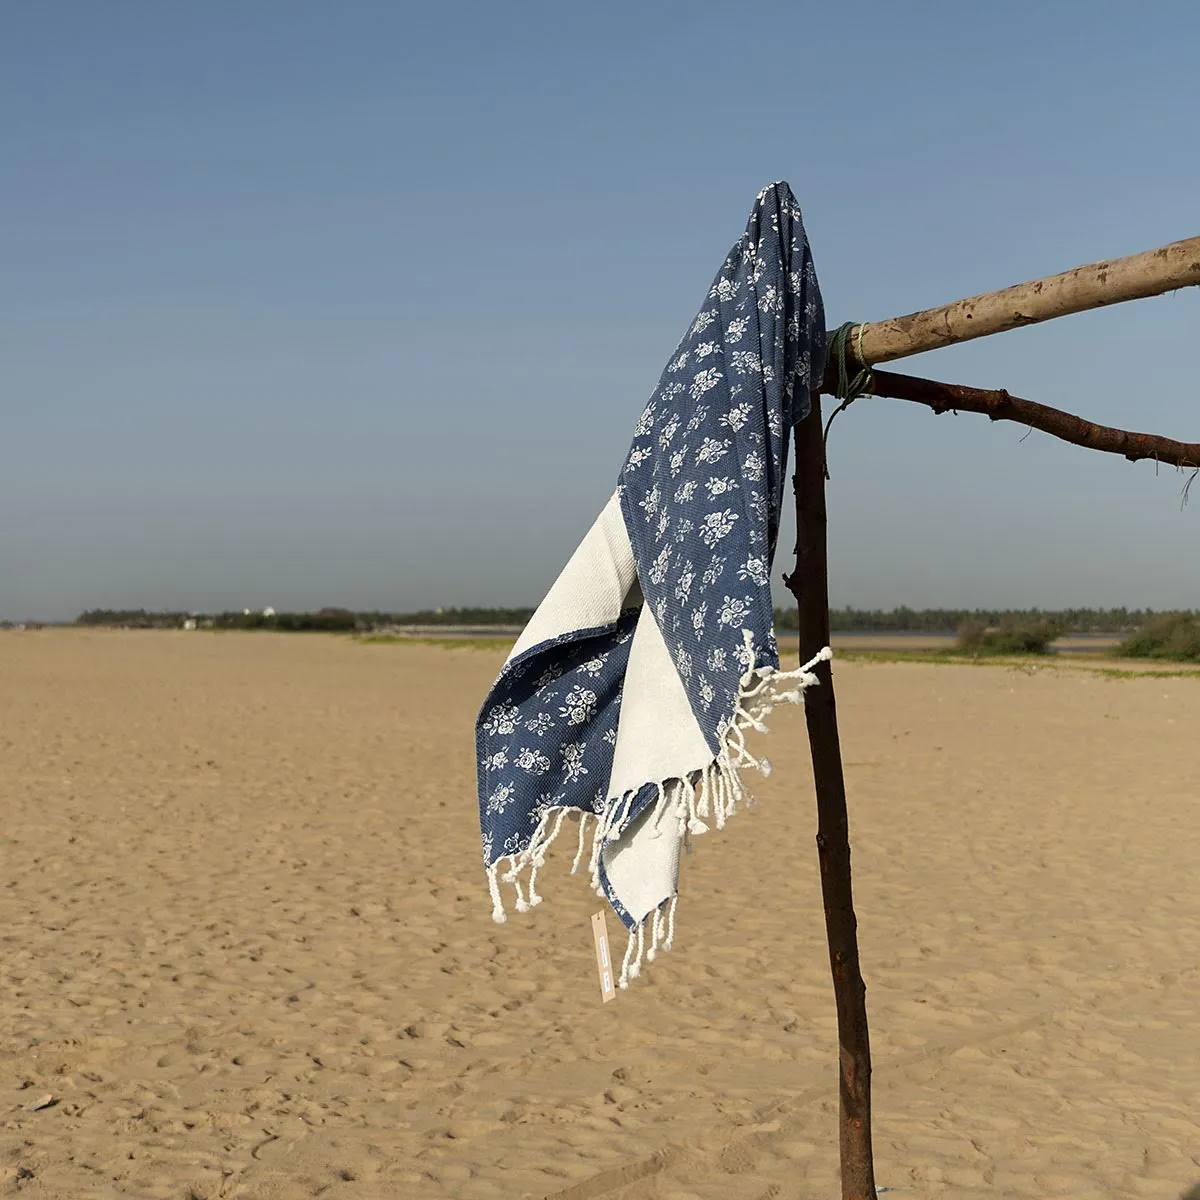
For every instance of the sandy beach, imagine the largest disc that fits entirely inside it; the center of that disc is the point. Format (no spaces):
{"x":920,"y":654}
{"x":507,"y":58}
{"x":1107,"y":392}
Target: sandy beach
{"x":246,"y":946}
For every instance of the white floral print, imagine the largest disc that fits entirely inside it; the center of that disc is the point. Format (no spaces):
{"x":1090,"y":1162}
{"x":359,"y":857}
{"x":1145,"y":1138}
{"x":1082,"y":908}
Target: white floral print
{"x":744,"y":655}
{"x":704,"y":381}
{"x":579,"y":706}
{"x":649,"y":502}
{"x":712,"y":449}
{"x":539,"y":724}
{"x":746,"y":362}
{"x":533,"y":761}
{"x":572,"y":755}
{"x":733,"y":611}
{"x":549,"y":675}
{"x":683,"y":588}
{"x":736,"y":417}
{"x":754,"y":569}
{"x":499,"y":799}
{"x":658,"y":569}
{"x":501,"y":720}
{"x":717,"y":525}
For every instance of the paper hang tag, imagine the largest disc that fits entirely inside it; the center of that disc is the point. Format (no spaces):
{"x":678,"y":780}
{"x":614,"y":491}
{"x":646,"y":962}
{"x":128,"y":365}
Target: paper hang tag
{"x":604,"y":964}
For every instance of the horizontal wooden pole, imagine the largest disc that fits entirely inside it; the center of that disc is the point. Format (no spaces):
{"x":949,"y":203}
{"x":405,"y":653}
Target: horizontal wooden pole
{"x":1093,"y":286}
{"x":999,"y":405}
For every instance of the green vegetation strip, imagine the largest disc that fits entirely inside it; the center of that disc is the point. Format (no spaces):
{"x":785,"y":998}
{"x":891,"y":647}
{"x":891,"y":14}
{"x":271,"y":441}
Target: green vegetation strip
{"x":446,"y":643}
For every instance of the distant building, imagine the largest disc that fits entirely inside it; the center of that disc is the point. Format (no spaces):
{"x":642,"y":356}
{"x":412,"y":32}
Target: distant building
{"x":268,"y":612}
{"x":190,"y":623}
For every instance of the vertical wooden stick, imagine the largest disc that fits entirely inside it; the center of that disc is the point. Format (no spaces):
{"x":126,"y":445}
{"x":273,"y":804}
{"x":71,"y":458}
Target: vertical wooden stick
{"x":810,"y":585}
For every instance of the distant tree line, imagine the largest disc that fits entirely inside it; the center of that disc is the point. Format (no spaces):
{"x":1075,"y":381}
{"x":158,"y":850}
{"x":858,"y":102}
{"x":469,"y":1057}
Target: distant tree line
{"x":843,"y":620}
{"x":462,"y":616}
{"x":951,"y":620}
{"x":325,"y":620}
{"x":132,"y":618}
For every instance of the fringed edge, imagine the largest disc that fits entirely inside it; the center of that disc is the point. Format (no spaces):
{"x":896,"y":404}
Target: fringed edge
{"x":712,"y":793}
{"x":657,"y":926}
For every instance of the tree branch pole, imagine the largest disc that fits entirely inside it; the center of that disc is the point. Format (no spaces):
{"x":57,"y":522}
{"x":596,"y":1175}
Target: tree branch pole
{"x":999,"y":405}
{"x":810,"y":586}
{"x":1096,"y":285}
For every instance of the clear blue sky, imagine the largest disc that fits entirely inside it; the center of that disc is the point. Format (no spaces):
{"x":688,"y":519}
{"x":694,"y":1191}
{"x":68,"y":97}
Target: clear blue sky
{"x":312,"y":303}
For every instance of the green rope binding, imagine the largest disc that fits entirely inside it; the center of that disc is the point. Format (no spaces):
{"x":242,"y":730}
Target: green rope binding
{"x":847,"y":389}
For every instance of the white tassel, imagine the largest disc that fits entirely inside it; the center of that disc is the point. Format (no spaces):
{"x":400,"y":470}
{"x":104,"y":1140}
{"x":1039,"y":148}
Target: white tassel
{"x":594,"y":861}
{"x":636,"y":968}
{"x":623,"y":982}
{"x":534,"y":898}
{"x":620,"y":816}
{"x":671,"y":922}
{"x":657,"y":919}
{"x":661,"y":805}
{"x":562,"y":816}
{"x":498,"y":914}
{"x":539,"y":857}
{"x":695,"y":826}
{"x":583,"y":820}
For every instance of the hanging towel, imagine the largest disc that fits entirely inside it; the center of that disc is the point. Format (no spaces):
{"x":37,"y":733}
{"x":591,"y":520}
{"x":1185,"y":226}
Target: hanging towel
{"x":625,"y":702}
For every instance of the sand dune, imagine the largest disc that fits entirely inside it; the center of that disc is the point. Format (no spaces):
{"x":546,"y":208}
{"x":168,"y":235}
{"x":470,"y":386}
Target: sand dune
{"x":246,"y":951}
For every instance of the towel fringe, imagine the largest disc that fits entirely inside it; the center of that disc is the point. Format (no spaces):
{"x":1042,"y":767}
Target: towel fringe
{"x":658,"y":926}
{"x":712,"y":792}
{"x":583,"y":820}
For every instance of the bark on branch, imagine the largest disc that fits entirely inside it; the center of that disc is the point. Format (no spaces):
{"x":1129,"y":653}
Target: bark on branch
{"x":1095,"y":285}
{"x":809,"y":583}
{"x":999,"y":405}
